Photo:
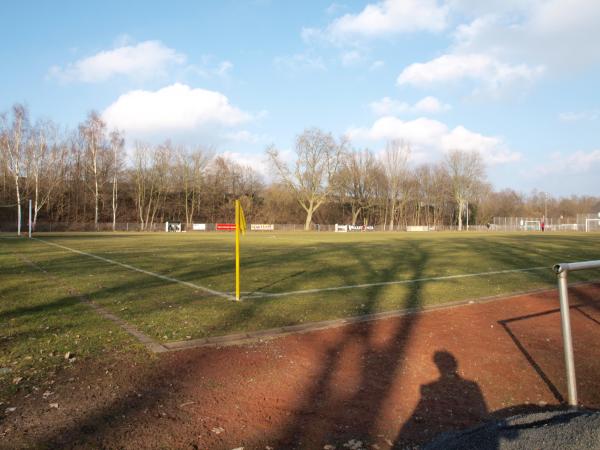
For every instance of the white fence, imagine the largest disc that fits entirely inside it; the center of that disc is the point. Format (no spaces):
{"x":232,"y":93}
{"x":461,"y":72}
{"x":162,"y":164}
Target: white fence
{"x":580,"y":223}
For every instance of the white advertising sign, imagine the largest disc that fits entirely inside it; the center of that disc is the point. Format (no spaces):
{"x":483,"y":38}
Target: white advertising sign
{"x":262,"y":227}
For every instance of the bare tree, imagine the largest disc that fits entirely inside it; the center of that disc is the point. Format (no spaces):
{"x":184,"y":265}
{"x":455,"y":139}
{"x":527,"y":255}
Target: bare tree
{"x":318,"y":158}
{"x":11,"y":139}
{"x":45,"y":164}
{"x":467,"y":172}
{"x":395,"y":162}
{"x":151,"y":177}
{"x":191,"y":170}
{"x":358,"y":180}
{"x":117,"y":144}
{"x":93,"y":132}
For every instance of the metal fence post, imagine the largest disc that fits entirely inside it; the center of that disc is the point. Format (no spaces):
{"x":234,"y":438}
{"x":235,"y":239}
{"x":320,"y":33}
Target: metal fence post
{"x":567,"y":337}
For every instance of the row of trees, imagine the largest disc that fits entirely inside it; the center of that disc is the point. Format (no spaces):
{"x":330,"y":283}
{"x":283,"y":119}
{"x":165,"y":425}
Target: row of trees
{"x":86,"y":175}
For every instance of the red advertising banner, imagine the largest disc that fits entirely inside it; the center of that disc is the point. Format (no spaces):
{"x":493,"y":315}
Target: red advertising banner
{"x":226,"y":227}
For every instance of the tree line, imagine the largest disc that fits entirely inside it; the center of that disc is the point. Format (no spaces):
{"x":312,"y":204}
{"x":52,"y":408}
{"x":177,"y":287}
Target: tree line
{"x":89,"y":175}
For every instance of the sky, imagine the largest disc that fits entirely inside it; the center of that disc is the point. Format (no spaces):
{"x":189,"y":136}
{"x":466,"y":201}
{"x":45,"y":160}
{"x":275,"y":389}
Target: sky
{"x":516,"y":80}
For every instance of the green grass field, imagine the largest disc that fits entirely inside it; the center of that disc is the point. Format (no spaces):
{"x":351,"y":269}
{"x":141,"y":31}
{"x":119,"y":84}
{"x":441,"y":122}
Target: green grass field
{"x":41,"y":315}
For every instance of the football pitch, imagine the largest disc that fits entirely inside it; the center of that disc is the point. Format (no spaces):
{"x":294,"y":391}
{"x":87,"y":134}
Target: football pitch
{"x":179,"y":286}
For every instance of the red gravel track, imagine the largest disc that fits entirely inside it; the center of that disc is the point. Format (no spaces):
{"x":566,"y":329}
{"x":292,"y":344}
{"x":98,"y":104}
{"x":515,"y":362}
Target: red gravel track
{"x":387,"y":382}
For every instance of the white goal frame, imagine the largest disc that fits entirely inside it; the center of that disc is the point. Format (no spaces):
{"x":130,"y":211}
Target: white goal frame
{"x":537,"y":222}
{"x":588,"y":220}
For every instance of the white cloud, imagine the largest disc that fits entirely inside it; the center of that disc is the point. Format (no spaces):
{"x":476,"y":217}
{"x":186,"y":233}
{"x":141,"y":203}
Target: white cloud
{"x":478,"y":67}
{"x":561,"y":34}
{"x":208,"y":66}
{"x":387,"y":106}
{"x":430,"y":138}
{"x":491,"y":148}
{"x":351,"y":57}
{"x":175,"y":108}
{"x":573,"y":116}
{"x":335,"y":8}
{"x":430,"y":104}
{"x":578,"y":162}
{"x":512,"y":43}
{"x":253,"y":160}
{"x":144,"y":60}
{"x":376,"y":65}
{"x":385,"y":18}
{"x":245,"y":136}
{"x":224,"y":68}
{"x":299,"y":62}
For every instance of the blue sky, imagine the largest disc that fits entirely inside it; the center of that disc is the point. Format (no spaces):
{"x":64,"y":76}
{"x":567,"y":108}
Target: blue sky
{"x":517,"y":81}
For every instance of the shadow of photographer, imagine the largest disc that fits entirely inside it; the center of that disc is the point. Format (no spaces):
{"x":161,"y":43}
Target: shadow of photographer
{"x":448,"y":403}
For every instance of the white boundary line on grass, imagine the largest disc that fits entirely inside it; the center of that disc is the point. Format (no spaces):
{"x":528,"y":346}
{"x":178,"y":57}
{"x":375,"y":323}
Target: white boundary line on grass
{"x":137,"y":269}
{"x":388,"y":283}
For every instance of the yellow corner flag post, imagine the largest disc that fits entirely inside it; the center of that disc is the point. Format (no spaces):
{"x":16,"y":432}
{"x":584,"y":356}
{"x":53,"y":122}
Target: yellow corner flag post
{"x":240,"y":226}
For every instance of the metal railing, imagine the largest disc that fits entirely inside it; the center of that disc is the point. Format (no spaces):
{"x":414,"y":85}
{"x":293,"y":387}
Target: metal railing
{"x":562,"y":271}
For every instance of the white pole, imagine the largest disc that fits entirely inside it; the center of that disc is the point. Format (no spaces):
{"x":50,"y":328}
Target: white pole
{"x":19,"y":219}
{"x":467,"y":216}
{"x":29,"y":218}
{"x":567,"y":339}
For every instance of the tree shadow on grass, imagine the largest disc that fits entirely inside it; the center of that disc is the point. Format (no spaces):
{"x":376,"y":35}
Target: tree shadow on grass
{"x":378,"y":368}
{"x":40,"y":308}
{"x":276,"y":282}
{"x":322,"y":412}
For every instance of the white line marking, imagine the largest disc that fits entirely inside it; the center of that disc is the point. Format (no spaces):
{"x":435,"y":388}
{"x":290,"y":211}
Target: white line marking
{"x":387,"y":283}
{"x":136,"y":269}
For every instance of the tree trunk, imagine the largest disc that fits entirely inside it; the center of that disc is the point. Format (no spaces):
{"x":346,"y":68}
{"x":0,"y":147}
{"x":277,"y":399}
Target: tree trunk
{"x":309,"y":213}
{"x":18,"y":207}
{"x":355,"y":213}
{"x":35,"y":201}
{"x":392,"y":214}
{"x":114,"y":202}
{"x":96,"y":202}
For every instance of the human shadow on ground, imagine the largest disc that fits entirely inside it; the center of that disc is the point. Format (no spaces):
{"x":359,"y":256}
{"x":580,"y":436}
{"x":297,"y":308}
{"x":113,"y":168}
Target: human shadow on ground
{"x":448,"y":403}
{"x":453,"y":411}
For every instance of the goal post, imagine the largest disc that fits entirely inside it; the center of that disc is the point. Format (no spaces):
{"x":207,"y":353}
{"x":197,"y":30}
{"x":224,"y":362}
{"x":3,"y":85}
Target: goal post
{"x":562,"y":271}
{"x":592,"y":224}
{"x":532,"y":225}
